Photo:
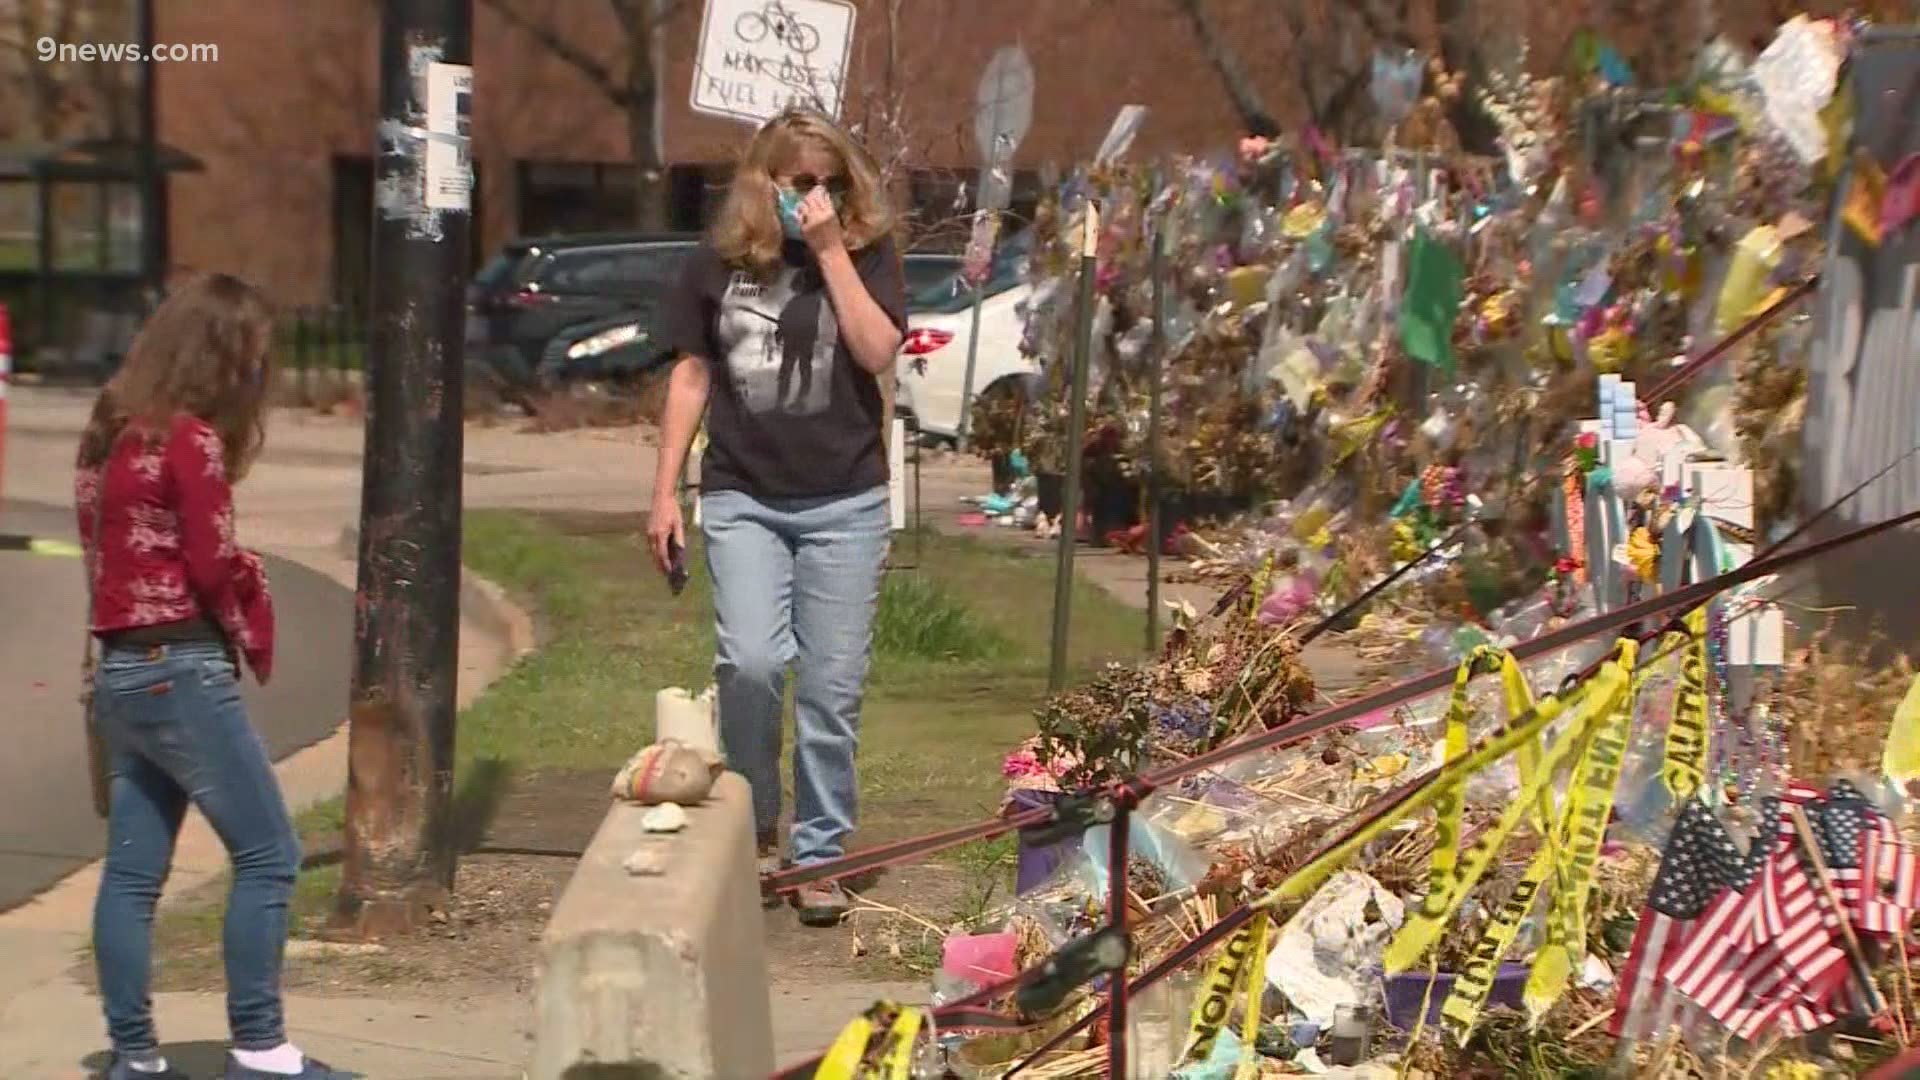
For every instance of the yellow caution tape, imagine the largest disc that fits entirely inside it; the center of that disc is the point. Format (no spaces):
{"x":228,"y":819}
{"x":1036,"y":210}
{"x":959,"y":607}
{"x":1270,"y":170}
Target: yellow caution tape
{"x":1424,"y":926}
{"x":1589,"y":805}
{"x":896,"y":1056}
{"x":1474,"y":983}
{"x":846,"y":1057}
{"x":877,"y":1045}
{"x":1519,"y":699}
{"x":1446,"y":808}
{"x":1255,"y":984}
{"x":1686,"y":762}
{"x":1238,"y":965}
{"x":1307,"y":878}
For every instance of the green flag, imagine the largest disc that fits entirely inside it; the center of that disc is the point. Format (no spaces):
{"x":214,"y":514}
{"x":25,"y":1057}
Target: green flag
{"x":1430,"y":302}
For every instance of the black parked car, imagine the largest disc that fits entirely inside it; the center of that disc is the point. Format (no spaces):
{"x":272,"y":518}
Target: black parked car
{"x":588,"y":306}
{"x":573,"y":307}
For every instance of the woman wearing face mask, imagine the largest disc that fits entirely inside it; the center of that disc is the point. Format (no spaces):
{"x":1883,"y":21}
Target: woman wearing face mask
{"x":784,"y":323}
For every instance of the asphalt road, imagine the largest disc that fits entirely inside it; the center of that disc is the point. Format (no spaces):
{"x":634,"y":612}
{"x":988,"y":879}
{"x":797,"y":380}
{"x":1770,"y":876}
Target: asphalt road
{"x":47,"y":825}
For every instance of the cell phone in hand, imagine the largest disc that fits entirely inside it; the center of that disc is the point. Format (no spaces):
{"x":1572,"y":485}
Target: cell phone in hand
{"x":676,"y":566}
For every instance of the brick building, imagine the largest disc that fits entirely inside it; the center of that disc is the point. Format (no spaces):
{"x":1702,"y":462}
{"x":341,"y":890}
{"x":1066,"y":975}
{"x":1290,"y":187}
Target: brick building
{"x":283,"y":121}
{"x":281,"y":125}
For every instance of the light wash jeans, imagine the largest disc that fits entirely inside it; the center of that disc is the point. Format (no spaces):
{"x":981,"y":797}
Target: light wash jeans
{"x":177,"y":732}
{"x":795,"y":582}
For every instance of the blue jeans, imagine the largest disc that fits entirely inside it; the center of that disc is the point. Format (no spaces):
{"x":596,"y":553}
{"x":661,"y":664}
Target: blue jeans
{"x":177,"y":732}
{"x":795,"y":582}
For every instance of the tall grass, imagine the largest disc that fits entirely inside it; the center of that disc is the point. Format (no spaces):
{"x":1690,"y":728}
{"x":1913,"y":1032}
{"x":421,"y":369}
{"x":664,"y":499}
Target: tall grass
{"x":919,"y":618}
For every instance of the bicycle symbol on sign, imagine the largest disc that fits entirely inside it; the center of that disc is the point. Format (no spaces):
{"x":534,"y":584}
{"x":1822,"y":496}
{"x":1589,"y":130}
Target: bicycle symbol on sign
{"x":773,"y":19}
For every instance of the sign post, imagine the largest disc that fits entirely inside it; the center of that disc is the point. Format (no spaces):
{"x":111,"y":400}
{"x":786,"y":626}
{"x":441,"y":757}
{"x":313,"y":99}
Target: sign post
{"x":1003,"y":111}
{"x":758,"y":58}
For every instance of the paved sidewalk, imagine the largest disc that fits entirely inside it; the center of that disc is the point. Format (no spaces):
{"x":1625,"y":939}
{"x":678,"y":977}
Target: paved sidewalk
{"x":947,"y":479}
{"x":297,"y":503}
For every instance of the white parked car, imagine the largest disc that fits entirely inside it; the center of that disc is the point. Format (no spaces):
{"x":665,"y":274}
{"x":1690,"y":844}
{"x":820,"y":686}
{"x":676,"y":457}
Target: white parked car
{"x":933,"y":358}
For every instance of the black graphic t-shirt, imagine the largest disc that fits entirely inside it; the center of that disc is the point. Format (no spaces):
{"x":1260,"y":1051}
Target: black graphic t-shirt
{"x":791,"y":414}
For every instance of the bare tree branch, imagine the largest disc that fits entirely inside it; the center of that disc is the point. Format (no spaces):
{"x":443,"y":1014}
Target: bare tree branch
{"x":615,"y":89}
{"x":634,"y":17}
{"x":1246,"y":99}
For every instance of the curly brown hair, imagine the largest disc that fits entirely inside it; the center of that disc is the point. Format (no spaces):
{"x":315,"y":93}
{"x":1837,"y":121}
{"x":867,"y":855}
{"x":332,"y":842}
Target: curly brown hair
{"x":205,"y":353}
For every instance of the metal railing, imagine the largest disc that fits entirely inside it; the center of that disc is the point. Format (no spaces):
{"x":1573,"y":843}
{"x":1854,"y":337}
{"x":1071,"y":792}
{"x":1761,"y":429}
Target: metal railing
{"x":326,"y":338}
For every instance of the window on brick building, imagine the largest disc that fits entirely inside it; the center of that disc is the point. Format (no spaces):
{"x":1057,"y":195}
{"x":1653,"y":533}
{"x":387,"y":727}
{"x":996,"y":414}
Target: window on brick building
{"x":352,"y":231}
{"x":19,"y":226}
{"x":562,"y":197}
{"x":96,"y":227}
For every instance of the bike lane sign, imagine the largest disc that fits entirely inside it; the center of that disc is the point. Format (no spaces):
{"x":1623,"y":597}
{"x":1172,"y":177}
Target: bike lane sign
{"x":760,"y":57}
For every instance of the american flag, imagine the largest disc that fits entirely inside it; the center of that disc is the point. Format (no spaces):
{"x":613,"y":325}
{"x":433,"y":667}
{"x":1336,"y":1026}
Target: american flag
{"x":1784,"y":961}
{"x":1701,"y":863}
{"x":1879,"y":880}
{"x":1752,"y":939}
{"x":1710,"y":968}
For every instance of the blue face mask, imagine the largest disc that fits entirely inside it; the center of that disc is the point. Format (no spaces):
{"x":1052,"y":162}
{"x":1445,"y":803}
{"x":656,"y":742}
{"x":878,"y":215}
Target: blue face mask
{"x":787,"y":204}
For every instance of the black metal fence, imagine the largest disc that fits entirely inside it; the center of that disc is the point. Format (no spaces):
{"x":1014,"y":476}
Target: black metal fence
{"x":328,"y":341}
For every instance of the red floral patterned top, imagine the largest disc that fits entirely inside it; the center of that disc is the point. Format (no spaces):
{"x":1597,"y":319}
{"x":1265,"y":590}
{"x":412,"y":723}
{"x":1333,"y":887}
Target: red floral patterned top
{"x":166,"y":550}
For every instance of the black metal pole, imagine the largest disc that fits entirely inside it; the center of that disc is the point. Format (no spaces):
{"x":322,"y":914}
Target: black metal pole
{"x":1157,"y":366}
{"x":399,"y":858}
{"x":1118,"y":878}
{"x":153,"y":224}
{"x":1076,"y":440}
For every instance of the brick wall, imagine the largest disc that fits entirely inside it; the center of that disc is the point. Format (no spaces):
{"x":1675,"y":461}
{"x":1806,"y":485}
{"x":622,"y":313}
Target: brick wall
{"x":295,"y":86}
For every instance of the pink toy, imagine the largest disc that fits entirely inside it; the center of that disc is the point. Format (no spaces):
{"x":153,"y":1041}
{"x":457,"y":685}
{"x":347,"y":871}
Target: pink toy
{"x":1288,"y":601}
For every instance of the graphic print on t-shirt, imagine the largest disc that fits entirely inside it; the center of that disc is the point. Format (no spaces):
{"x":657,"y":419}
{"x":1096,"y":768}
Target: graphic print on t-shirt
{"x":779,"y":345}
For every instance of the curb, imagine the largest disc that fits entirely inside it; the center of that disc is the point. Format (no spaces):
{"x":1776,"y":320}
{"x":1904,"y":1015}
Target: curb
{"x":33,"y":545}
{"x":483,"y":602}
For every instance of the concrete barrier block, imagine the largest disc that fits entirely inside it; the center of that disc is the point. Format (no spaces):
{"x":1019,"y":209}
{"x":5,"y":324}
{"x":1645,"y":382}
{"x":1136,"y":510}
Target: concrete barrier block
{"x":659,"y":977}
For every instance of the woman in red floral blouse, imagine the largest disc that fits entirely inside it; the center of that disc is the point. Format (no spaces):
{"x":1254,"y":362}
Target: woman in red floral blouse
{"x":177,"y":607}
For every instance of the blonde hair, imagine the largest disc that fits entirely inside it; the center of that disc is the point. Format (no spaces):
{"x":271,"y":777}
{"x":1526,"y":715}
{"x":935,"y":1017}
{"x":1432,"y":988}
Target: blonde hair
{"x":747,"y":232}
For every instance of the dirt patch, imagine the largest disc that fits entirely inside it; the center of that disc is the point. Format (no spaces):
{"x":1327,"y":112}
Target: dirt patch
{"x":884,"y":940}
{"x":487,"y":941}
{"x":484,"y":943}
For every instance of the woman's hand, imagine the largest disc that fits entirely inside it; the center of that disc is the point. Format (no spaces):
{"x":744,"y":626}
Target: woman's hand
{"x":665,"y":526}
{"x":819,"y":223}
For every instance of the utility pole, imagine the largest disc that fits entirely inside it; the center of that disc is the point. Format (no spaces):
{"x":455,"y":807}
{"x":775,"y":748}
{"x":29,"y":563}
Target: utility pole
{"x":399,"y":857}
{"x":153,"y":212}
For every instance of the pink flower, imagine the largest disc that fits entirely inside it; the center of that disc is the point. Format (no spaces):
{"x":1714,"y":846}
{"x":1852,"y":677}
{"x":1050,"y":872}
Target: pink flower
{"x":1020,"y":764}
